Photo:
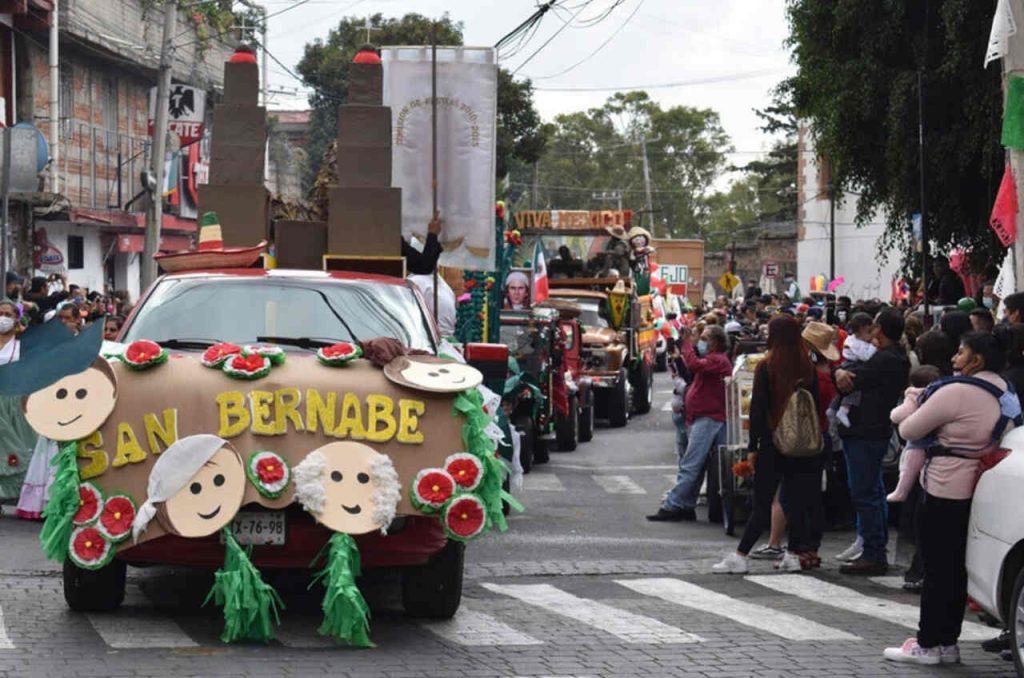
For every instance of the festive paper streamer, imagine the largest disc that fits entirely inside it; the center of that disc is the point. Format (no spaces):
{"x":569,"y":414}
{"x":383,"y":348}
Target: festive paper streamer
{"x":346,"y":614}
{"x":1004,"y":213}
{"x":1003,"y":26}
{"x":1013,"y":117}
{"x":62,"y":503}
{"x":250,"y":604}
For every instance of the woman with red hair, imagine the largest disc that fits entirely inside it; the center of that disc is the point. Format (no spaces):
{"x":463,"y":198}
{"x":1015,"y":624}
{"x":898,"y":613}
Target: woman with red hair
{"x":786,"y":368}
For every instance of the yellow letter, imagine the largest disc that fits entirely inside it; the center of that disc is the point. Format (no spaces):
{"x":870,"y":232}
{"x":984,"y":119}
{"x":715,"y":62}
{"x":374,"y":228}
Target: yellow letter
{"x":157,"y":433}
{"x":260,"y":403}
{"x":410,"y":412}
{"x":286,"y":409}
{"x":89,"y":448}
{"x":351,"y":424}
{"x":382,"y":410}
{"x":317,"y":410}
{"x":128,"y":449}
{"x":234,"y":417}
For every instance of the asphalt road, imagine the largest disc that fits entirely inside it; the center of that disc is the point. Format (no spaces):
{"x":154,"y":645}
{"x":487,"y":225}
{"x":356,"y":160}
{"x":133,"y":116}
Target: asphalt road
{"x":580,"y":585}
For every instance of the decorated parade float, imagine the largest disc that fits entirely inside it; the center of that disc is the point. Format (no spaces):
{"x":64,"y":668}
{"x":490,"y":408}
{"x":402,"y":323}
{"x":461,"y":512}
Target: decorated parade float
{"x":315,"y":428}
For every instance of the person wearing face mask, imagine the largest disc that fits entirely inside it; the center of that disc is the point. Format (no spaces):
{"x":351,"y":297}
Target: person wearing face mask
{"x":16,"y":437}
{"x":704,"y":409}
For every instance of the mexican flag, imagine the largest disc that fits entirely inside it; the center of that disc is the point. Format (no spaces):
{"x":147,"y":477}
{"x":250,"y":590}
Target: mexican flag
{"x":540,"y":274}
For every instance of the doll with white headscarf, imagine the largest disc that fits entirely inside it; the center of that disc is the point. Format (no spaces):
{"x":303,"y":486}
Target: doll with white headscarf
{"x":195,"y":489}
{"x":351,"y":489}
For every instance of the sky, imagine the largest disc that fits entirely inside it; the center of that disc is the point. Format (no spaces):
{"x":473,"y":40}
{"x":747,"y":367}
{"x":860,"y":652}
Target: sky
{"x":727,"y":53}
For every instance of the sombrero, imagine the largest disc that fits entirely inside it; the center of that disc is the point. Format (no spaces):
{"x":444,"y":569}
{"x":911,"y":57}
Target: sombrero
{"x":637,"y":230}
{"x":211,"y":252}
{"x":616,"y":232}
{"x":50,"y":352}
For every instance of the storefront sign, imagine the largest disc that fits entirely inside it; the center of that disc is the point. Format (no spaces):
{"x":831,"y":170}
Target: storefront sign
{"x":674,"y":274}
{"x":186,"y":107}
{"x":771,"y":270}
{"x":46,"y":257}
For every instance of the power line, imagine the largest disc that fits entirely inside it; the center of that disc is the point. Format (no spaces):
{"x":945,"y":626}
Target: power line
{"x":548,"y":41}
{"x":668,"y":85}
{"x":599,"y":48}
{"x":294,"y":5}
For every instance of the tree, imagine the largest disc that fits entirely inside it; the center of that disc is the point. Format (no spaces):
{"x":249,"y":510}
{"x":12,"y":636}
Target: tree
{"x":325,"y":67}
{"x":600,"y":151}
{"x":857,"y":83}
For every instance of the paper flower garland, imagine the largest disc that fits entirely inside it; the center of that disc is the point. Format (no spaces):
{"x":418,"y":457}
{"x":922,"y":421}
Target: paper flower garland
{"x":274,"y":353}
{"x":217,"y":355}
{"x":269,"y":472}
{"x":90,"y":503}
{"x":247,"y":367}
{"x":89,"y":548}
{"x":340,"y":354}
{"x":143,"y":354}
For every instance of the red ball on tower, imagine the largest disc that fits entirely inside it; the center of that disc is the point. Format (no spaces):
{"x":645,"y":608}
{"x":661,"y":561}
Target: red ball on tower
{"x":243,"y":55}
{"x":367,"y":54}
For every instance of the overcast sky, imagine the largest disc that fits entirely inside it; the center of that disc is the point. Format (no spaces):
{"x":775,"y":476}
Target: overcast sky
{"x":729,"y":53}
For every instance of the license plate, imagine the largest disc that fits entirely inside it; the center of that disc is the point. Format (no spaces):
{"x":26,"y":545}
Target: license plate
{"x":260,"y":528}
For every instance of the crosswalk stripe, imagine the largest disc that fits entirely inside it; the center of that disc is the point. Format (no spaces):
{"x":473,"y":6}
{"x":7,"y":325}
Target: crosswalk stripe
{"x":632,"y":628}
{"x":667,"y":407}
{"x":126,"y":631}
{"x":472,"y":628}
{"x":673,"y":477}
{"x":895,"y":582}
{"x":618,"y":484}
{"x":782,"y":624}
{"x":5,"y":640}
{"x":542,"y":482}
{"x":818,"y":591}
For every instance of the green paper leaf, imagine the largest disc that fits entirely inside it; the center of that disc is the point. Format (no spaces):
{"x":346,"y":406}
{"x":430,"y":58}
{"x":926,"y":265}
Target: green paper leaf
{"x":346,"y":614}
{"x":1013,"y":118}
{"x":62,"y":504}
{"x":250,"y":604}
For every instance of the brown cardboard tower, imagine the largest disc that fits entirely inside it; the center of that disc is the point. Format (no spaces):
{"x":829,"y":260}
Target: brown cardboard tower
{"x":365,"y":212}
{"x":237,"y":156}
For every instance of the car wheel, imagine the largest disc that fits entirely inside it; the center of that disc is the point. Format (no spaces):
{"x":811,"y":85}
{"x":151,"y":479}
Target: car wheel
{"x":661,"y":362}
{"x":586,"y":424}
{"x":618,"y":401}
{"x":99,"y":590}
{"x":567,"y":428}
{"x":643,"y":388}
{"x":524,"y":424}
{"x":434,"y":590}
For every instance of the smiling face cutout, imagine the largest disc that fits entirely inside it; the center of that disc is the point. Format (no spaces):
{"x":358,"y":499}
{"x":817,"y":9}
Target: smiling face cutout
{"x":210,"y":498}
{"x":348,"y":487}
{"x":74,"y":407}
{"x":437,"y":375}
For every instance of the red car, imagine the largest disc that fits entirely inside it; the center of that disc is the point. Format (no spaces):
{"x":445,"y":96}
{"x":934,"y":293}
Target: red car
{"x":299,"y":311}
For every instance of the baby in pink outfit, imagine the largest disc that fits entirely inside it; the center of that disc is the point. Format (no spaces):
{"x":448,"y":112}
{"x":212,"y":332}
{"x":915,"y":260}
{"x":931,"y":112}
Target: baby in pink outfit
{"x":913,"y":458}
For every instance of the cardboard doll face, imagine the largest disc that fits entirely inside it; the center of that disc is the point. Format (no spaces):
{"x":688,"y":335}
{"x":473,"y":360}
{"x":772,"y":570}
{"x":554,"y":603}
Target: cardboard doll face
{"x":443,"y":377}
{"x":74,"y":407}
{"x":210,"y":499}
{"x":350,"y":488}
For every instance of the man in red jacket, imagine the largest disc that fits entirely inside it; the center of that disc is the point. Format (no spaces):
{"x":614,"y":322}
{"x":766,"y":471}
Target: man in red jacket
{"x":705,"y":421}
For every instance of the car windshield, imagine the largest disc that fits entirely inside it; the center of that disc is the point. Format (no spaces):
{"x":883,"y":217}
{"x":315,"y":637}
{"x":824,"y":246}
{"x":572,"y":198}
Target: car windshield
{"x":590,"y":313}
{"x":241,"y":309}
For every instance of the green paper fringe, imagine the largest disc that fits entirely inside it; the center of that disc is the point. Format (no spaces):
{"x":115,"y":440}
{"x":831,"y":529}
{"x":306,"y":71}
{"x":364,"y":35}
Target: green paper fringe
{"x":250,"y":604}
{"x":61,"y":504}
{"x":470,"y":404}
{"x":1013,"y":117}
{"x":346,"y":614}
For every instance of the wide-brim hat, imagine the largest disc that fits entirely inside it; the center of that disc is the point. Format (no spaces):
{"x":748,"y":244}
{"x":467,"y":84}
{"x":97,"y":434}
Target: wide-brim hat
{"x":211,"y":252}
{"x":50,"y":352}
{"x":638,"y":230}
{"x":822,"y":338}
{"x":616,"y":232}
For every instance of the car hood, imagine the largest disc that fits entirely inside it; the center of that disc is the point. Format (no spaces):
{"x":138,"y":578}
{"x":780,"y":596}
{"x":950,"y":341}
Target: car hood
{"x":600,"y":336}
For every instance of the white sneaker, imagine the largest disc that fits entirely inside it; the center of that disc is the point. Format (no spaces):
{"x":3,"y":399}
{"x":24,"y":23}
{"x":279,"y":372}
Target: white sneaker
{"x":853,"y":552}
{"x":789,"y":563}
{"x":912,"y":653}
{"x":733,"y":563}
{"x":949,"y":654}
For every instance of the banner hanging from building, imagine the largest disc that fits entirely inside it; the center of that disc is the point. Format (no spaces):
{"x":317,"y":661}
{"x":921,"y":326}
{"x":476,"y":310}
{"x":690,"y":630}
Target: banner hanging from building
{"x":467,"y":108}
{"x":186,"y":108}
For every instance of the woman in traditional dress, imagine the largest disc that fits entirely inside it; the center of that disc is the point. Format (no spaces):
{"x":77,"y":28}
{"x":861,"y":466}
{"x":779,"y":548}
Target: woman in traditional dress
{"x":16,"y":437}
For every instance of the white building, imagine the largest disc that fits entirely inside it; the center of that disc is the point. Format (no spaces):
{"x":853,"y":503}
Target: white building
{"x":857,"y":257}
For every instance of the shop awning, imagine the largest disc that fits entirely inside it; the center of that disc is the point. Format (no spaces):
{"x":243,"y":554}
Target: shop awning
{"x":111,"y":220}
{"x":129,"y":242}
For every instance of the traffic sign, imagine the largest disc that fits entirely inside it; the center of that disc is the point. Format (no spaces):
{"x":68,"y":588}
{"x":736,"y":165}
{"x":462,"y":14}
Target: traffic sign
{"x":728,"y":282}
{"x":771,"y":269}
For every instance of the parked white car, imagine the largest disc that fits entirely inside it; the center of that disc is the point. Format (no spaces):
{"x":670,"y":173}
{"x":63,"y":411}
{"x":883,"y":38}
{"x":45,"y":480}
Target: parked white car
{"x":995,"y":546}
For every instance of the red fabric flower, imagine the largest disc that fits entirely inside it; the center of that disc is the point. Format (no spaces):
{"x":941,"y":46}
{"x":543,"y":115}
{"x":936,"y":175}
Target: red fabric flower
{"x":465,"y":469}
{"x":219,"y":351}
{"x":465,"y":517}
{"x":89,"y":544}
{"x":89,"y":500}
{"x":340,"y":350}
{"x":118,"y":514}
{"x":435,"y":488}
{"x":270,"y":470}
{"x":470,"y":284}
{"x":249,"y":363}
{"x":12,"y":460}
{"x":142,"y":351}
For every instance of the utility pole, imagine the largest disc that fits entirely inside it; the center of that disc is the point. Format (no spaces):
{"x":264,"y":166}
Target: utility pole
{"x":831,"y":227}
{"x":647,"y":185}
{"x":55,"y":99}
{"x":155,"y":215}
{"x":924,"y":215}
{"x":1013,"y":63}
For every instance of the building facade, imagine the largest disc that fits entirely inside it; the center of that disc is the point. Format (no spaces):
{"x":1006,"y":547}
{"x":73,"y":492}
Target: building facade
{"x":767,"y":259}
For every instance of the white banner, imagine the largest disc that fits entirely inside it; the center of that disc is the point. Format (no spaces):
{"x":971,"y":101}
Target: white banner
{"x":467,"y":109}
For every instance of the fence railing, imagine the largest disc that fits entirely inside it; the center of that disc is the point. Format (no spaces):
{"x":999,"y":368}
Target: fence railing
{"x":100,"y":168}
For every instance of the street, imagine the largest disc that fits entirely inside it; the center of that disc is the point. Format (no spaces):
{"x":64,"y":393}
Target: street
{"x":581,"y":585}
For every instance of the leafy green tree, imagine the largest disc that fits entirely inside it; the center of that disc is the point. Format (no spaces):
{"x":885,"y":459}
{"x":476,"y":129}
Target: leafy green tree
{"x":591,"y":155}
{"x":325,"y":67}
{"x":857,"y":83}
